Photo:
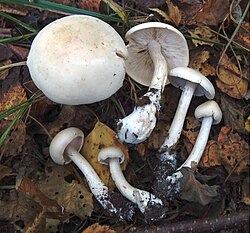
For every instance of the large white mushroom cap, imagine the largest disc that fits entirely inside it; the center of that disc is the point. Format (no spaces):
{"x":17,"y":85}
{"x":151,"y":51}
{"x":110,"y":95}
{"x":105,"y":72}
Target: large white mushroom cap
{"x":139,"y":64}
{"x":77,"y":59}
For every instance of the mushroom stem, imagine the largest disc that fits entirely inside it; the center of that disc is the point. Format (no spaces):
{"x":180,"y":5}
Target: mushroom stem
{"x":140,"y":197}
{"x":200,"y":144}
{"x":160,"y":66}
{"x":175,"y":129}
{"x":97,"y":187}
{"x":137,"y":126}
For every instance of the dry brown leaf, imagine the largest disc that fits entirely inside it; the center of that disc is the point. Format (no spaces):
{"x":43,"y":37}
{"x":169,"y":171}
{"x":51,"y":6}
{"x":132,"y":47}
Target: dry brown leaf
{"x":230,"y":150}
{"x":190,"y":132}
{"x":73,"y":197}
{"x":233,"y":114}
{"x":90,"y":5}
{"x":100,"y":137}
{"x":213,"y":13}
{"x":243,"y":36}
{"x":198,"y":61}
{"x":5,"y":171}
{"x":14,"y":142}
{"x":203,"y":33}
{"x":230,"y":80}
{"x":193,"y":190}
{"x":173,"y":15}
{"x":247,"y":124}
{"x":15,"y":95}
{"x":96,"y":228}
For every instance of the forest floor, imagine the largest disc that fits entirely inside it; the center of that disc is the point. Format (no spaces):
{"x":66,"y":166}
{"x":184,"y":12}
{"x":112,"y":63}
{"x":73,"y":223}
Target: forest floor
{"x":37,"y":195}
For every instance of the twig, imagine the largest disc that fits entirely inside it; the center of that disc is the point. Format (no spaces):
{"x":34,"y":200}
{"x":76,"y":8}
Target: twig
{"x":212,"y":224}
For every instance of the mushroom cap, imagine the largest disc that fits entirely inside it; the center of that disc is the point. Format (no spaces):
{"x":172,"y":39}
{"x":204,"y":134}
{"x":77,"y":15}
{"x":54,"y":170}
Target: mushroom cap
{"x":207,"y":109}
{"x":77,"y":59}
{"x":109,"y":153}
{"x":139,"y":65}
{"x":68,"y":137}
{"x":179,"y":75}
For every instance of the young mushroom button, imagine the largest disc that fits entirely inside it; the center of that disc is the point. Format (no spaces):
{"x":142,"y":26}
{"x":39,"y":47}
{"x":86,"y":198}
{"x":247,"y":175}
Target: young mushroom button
{"x":153,"y":49}
{"x":77,"y":59}
{"x":65,"y":148}
{"x":191,"y":82}
{"x":113,"y":156}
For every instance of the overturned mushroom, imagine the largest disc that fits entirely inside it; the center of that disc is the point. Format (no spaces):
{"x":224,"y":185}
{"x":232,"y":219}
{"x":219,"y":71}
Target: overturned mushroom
{"x":77,"y":59}
{"x":145,"y":201}
{"x":65,"y":148}
{"x":154,"y":48}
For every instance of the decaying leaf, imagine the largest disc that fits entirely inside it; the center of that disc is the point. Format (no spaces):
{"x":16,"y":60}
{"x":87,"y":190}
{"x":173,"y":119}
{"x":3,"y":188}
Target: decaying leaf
{"x":5,"y":171}
{"x":14,"y":142}
{"x":15,"y":95}
{"x":212,"y":13}
{"x":242,"y":36}
{"x":193,"y":190}
{"x":230,"y":151}
{"x":190,"y":132}
{"x":100,"y":137}
{"x":173,"y":15}
{"x":96,"y":228}
{"x":230,"y":80}
{"x":233,"y":114}
{"x":73,"y":197}
{"x":199,"y":61}
{"x":203,"y":33}
{"x":247,"y":124}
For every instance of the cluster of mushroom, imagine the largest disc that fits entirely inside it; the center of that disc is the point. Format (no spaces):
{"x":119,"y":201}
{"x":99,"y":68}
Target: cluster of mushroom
{"x":81,"y":60}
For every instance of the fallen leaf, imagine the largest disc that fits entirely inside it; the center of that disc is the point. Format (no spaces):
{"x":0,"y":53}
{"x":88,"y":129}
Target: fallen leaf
{"x":229,"y":79}
{"x":233,"y":114}
{"x":242,"y":36}
{"x":14,"y":95}
{"x":199,"y":61}
{"x":212,"y":13}
{"x":203,"y":33}
{"x":14,"y":142}
{"x":5,"y":53}
{"x":73,"y":197}
{"x":5,"y":171}
{"x":173,"y":15}
{"x":230,"y":151}
{"x":247,"y":124}
{"x":193,"y":190}
{"x":90,"y":5}
{"x":96,"y":228}
{"x":117,"y":9}
{"x":100,"y":137}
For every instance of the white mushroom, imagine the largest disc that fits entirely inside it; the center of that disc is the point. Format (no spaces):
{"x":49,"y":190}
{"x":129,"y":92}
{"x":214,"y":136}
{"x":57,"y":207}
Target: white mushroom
{"x":191,"y":82}
{"x":209,"y":113}
{"x":65,"y":148}
{"x":77,"y":59}
{"x":154,"y":48}
{"x":113,"y":156}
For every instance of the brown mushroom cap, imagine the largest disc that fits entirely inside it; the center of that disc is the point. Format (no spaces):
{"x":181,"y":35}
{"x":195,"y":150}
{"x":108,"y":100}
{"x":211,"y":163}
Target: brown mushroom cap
{"x":139,"y":65}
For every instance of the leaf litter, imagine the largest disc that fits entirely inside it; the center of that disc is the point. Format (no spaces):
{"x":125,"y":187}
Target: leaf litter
{"x":39,"y":196}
